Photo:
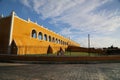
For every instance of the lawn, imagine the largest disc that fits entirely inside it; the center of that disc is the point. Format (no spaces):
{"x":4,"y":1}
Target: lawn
{"x":80,"y":54}
{"x":66,"y":54}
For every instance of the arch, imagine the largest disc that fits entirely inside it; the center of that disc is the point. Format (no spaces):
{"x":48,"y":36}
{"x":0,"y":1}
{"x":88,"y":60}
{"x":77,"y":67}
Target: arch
{"x":40,"y":36}
{"x":53,"y":39}
{"x":61,"y":49}
{"x":59,"y":41}
{"x":63,"y":42}
{"x":45,"y":37}
{"x":14,"y":48}
{"x":50,"y":50}
{"x":56,"y":41}
{"x":67,"y":43}
{"x":34,"y":34}
{"x":49,"y":38}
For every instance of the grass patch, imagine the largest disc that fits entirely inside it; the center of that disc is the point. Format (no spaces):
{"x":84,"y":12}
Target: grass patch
{"x":80,"y":54}
{"x":66,"y":54}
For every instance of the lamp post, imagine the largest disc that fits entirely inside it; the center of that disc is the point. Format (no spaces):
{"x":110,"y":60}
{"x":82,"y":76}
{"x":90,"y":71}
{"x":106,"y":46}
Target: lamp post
{"x":89,"y":44}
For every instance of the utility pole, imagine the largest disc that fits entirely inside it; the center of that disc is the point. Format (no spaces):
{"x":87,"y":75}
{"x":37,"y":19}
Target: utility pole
{"x":89,"y":44}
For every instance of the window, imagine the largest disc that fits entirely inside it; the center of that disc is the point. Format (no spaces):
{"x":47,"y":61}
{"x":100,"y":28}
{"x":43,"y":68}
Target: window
{"x":56,"y":40}
{"x":40,"y":36}
{"x":67,"y":43}
{"x":63,"y":42}
{"x":49,"y":39}
{"x":45,"y":37}
{"x":53,"y":40}
{"x":60,"y":41}
{"x":34,"y":34}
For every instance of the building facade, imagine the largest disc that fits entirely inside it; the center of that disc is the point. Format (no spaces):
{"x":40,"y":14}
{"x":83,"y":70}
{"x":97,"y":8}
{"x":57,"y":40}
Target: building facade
{"x":20,"y":37}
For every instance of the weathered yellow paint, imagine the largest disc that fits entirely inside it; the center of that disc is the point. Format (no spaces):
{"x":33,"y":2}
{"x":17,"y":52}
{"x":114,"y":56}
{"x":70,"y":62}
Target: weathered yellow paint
{"x":23,"y":42}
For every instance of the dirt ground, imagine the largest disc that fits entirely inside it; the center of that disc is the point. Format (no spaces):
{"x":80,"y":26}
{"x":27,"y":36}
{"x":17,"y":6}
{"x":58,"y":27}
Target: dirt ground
{"x":19,"y":71}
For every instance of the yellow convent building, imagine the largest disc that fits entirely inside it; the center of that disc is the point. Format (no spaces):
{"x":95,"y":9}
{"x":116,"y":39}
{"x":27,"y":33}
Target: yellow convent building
{"x":20,"y":37}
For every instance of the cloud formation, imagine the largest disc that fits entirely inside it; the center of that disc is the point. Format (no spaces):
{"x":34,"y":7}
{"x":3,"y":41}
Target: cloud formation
{"x":82,"y":16}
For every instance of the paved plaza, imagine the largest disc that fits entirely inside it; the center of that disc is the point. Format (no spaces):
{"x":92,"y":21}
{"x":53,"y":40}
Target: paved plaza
{"x":18,"y":71}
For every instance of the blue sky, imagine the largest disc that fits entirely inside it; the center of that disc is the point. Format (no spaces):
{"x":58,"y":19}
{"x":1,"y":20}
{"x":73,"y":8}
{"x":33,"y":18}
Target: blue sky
{"x":72,"y":18}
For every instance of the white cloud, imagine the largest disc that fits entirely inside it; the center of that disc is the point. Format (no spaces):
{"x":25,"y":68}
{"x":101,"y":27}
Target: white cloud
{"x":81,"y":15}
{"x":99,"y":42}
{"x":26,"y":3}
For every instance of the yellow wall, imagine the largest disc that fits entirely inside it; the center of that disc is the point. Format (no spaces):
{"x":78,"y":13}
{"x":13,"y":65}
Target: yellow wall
{"x":22,"y":34}
{"x":22,"y":41}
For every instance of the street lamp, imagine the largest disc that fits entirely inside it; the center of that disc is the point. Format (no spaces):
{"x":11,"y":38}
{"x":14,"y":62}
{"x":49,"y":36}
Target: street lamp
{"x":89,"y":44}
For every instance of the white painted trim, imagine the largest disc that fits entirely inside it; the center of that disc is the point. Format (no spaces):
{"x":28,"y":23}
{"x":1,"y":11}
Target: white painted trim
{"x":21,"y":19}
{"x":11,"y":28}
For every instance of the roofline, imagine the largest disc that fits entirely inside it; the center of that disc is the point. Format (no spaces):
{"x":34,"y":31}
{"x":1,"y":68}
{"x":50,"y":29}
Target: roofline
{"x":11,"y":27}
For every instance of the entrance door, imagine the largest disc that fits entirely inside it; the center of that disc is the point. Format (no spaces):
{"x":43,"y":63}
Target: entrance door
{"x":13,"y":48}
{"x":50,"y":50}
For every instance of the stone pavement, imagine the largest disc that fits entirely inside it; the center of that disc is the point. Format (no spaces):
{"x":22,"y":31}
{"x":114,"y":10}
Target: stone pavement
{"x":101,"y":71}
